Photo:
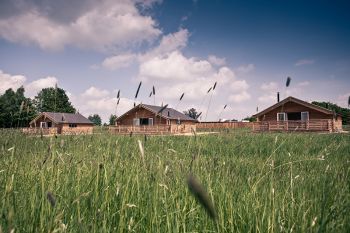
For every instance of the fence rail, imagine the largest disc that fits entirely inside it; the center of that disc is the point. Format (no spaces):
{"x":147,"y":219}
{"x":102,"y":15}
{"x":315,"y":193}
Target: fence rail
{"x":152,"y":129}
{"x":127,"y":129}
{"x":224,"y":125}
{"x":311,"y":125}
{"x":44,"y":131}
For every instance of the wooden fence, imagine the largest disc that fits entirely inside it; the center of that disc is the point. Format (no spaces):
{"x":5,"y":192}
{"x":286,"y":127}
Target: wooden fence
{"x":152,"y":129}
{"x":44,"y":131}
{"x":225,"y":125}
{"x":311,"y":125}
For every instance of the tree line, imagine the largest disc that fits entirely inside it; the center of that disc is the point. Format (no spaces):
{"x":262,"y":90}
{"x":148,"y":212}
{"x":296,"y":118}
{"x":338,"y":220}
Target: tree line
{"x":16,"y":110}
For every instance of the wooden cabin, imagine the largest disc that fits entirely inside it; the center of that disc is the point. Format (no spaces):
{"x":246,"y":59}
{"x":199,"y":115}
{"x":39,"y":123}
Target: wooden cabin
{"x":145,"y":118}
{"x":292,"y":114}
{"x":60,"y":123}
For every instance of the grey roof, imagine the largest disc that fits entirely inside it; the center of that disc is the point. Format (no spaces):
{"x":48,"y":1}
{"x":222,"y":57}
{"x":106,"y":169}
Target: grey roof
{"x":72,"y":118}
{"x":169,"y":113}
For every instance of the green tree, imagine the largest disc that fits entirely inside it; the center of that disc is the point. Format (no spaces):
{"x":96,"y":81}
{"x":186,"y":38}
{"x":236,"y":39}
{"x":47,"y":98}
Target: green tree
{"x":192,"y":112}
{"x":96,"y":119}
{"x":344,"y":112}
{"x":112,"y":119}
{"x":250,"y":119}
{"x":15,"y":109}
{"x":53,"y":100}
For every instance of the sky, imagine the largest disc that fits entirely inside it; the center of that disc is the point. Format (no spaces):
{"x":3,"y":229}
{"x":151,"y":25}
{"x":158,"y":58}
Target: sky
{"x":93,"y":49}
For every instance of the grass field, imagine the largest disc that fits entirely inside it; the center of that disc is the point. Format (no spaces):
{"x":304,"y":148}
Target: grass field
{"x":101,"y":183}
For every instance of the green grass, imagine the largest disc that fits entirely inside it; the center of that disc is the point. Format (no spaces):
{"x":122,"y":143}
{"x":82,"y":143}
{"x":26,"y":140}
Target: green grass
{"x":257,"y":182}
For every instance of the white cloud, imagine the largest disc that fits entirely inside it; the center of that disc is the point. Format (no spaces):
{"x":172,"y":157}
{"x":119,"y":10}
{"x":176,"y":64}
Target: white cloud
{"x":246,"y":68}
{"x":34,"y":87}
{"x":271,"y":86}
{"x":268,"y":98}
{"x":239,"y":85}
{"x":240,"y":97}
{"x":31,"y":89}
{"x":193,"y":77}
{"x":303,"y":84}
{"x":10,"y":81}
{"x":118,"y":61}
{"x":168,"y":43}
{"x":94,"y":92}
{"x":174,"y":67}
{"x":216,"y":60}
{"x":302,"y":62}
{"x":104,"y":26}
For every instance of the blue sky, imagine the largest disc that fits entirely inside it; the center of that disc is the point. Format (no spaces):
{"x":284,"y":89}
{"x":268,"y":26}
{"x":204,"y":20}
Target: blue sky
{"x":249,"y":48}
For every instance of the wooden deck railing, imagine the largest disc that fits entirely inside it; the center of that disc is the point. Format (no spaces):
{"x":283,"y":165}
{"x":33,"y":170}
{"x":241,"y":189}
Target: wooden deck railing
{"x":152,"y":129}
{"x":142,"y":129}
{"x":44,"y":131}
{"x":311,"y":125}
{"x":224,"y":125}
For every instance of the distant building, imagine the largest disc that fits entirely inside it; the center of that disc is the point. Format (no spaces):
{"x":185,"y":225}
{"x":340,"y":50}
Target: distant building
{"x":295,"y":114}
{"x":147,"y":119}
{"x":61,"y":123}
{"x":144,"y":114}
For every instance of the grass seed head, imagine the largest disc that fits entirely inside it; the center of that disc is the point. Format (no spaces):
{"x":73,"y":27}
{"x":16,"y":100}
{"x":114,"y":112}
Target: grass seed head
{"x":51,"y":199}
{"x":182,"y":96}
{"x":288,"y":81}
{"x":201,"y":195}
{"x":138,"y":89}
{"x":162,"y":109}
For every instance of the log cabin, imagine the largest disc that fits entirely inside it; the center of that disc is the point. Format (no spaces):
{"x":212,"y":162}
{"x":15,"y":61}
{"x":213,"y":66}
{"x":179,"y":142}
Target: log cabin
{"x":145,"y":118}
{"x":292,"y":114}
{"x":60,"y":123}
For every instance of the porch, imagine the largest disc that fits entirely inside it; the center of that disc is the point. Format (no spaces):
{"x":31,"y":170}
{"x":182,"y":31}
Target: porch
{"x":152,"y":129}
{"x":314,"y":125}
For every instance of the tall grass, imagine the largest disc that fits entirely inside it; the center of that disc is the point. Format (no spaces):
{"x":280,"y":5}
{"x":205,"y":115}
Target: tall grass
{"x":100,"y":183}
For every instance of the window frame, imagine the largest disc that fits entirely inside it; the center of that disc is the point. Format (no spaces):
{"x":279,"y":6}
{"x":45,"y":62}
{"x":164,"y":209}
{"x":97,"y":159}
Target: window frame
{"x":284,"y":116}
{"x":308,"y":116}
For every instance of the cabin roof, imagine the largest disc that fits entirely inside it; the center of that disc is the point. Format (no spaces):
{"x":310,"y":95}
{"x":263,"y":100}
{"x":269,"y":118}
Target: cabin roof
{"x":295,"y":100}
{"x":60,"y":117}
{"x":167,"y":113}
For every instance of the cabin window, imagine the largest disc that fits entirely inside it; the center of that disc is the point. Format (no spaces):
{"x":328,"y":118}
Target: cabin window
{"x":281,"y":116}
{"x":304,"y":116}
{"x":43,"y":124}
{"x":293,"y":116}
{"x":72,"y":125}
{"x":49,"y":124}
{"x":146,"y":121}
{"x":178,"y":121}
{"x":136,"y":121}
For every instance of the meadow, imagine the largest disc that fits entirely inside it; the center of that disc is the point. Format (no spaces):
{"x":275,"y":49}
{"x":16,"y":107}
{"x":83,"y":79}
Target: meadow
{"x":270,"y":182}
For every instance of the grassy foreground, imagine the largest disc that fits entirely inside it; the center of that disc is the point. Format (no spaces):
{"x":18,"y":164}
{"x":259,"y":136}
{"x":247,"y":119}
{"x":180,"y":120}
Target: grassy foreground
{"x":101,"y":183}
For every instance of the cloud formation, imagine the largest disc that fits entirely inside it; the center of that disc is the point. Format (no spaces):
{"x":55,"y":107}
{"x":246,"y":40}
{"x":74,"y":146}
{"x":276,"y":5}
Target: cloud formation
{"x":103,"y":25}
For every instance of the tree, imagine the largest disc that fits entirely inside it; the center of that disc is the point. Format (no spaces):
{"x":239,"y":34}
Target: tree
{"x":192,"y":113}
{"x":53,"y":100}
{"x":96,"y":119}
{"x":344,"y":112}
{"x":112,"y":119}
{"x":250,"y":119}
{"x":15,"y":109}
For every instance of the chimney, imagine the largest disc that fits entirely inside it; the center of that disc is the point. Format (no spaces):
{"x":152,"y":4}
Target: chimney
{"x":278,"y":97}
